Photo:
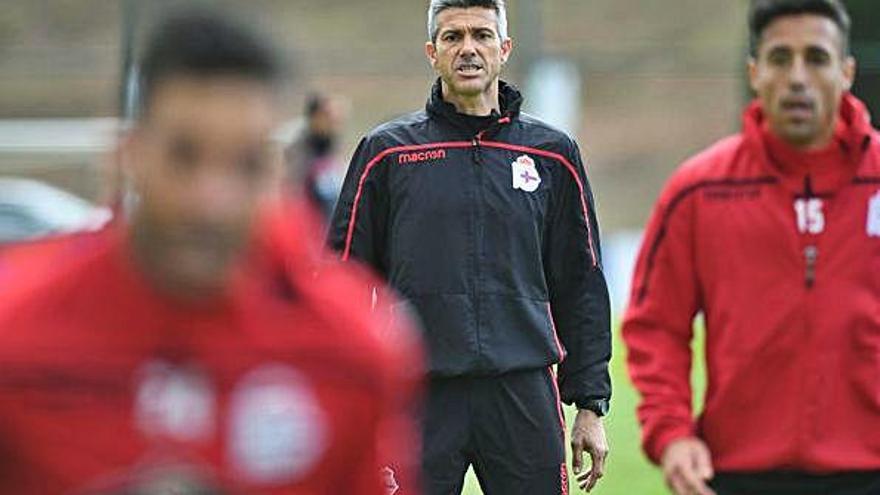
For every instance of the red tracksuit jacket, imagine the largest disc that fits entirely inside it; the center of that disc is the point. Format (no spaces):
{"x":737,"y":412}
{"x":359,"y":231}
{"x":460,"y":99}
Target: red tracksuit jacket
{"x":290,"y":384}
{"x":781,"y":252}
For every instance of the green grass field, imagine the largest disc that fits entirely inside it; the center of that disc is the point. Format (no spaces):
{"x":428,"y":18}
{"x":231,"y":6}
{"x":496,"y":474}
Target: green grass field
{"x":628,"y":471}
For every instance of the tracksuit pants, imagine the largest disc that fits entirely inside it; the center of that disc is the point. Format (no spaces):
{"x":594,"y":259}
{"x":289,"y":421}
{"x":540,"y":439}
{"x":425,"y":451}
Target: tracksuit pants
{"x":509,"y":427}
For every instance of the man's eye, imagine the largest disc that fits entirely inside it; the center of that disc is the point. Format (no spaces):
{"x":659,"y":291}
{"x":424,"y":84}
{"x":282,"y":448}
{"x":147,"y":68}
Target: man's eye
{"x":818,"y":58}
{"x":183,"y":155}
{"x":450,"y":37}
{"x":778,"y":58}
{"x":251,"y":164}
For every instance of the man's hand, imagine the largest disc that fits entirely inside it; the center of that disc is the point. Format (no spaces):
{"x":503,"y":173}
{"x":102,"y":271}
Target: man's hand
{"x":687,"y":466}
{"x":588,"y":435}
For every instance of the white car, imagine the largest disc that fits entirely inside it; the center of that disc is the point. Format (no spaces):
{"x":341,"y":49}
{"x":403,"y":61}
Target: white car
{"x":31,"y":209}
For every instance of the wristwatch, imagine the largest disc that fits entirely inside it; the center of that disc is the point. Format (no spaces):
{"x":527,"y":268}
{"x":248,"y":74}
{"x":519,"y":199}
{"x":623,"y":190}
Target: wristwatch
{"x":598,"y":406}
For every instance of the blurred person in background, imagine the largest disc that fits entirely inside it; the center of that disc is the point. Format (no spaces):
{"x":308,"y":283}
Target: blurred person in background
{"x":483,"y":218}
{"x":313,"y":166}
{"x":774,"y":235}
{"x":191,"y":349}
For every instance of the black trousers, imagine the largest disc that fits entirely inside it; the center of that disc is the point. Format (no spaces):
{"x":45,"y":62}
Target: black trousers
{"x":795,"y":483}
{"x":509,"y":427}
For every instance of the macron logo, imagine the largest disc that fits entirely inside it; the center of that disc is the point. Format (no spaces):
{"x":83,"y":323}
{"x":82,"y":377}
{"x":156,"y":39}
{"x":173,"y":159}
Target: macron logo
{"x":421,"y":156}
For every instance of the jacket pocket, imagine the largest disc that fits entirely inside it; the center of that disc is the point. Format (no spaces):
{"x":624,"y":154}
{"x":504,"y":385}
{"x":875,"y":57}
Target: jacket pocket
{"x":517,"y":333}
{"x":448,"y":323}
{"x":864,"y":364}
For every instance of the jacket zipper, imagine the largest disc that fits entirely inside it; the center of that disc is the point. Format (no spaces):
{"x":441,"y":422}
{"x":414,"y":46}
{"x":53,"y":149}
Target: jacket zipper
{"x":806,"y":416}
{"x":480,"y":202}
{"x":478,"y":238}
{"x":811,"y":252}
{"x":811,"y":255}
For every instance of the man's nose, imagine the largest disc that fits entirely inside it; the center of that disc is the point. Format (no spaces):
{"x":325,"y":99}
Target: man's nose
{"x":215,"y":193}
{"x":797,"y":78}
{"x":469,"y":46}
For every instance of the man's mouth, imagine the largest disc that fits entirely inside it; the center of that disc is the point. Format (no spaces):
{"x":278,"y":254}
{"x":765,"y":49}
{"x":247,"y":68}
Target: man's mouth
{"x":469,"y":69}
{"x":798,"y":107}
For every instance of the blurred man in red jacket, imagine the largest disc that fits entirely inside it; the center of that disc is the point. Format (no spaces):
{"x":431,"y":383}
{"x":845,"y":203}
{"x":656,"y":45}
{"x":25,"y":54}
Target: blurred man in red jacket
{"x":193,"y":349}
{"x":773,"y":234}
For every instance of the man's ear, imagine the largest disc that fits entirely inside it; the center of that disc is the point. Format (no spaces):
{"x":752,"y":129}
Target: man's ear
{"x":129,"y":150}
{"x":431,"y":53}
{"x":276,"y":177}
{"x":126,"y":147}
{"x":752,"y":72}
{"x":506,"y":49}
{"x":849,"y":72}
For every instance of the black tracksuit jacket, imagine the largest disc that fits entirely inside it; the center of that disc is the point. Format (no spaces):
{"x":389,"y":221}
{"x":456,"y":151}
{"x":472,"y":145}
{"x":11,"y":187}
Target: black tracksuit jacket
{"x":486,"y":226}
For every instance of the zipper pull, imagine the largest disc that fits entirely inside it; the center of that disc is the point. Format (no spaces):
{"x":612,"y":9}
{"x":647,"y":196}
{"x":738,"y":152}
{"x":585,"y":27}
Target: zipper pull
{"x":475,"y":149}
{"x":811,"y":254}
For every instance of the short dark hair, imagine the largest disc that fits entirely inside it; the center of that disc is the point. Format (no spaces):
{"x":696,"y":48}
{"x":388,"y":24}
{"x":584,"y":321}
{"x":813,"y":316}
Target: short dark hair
{"x":205,"y":44}
{"x":764,"y":12}
{"x":437,"y":6}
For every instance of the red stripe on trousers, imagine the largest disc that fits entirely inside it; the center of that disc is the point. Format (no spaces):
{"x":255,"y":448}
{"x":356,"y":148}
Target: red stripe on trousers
{"x":563,"y":471}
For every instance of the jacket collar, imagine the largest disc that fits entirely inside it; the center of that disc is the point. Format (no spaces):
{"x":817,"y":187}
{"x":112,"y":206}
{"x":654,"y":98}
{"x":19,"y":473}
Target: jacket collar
{"x":852,"y":138}
{"x":509,"y":100}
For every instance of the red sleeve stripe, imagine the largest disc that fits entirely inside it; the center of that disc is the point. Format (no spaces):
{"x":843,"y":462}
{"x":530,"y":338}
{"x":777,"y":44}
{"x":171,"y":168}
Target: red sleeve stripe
{"x":346,"y":253}
{"x":559,"y":348}
{"x":577,"y":179}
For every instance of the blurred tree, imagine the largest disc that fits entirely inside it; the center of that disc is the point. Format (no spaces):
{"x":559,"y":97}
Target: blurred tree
{"x":866,"y":47}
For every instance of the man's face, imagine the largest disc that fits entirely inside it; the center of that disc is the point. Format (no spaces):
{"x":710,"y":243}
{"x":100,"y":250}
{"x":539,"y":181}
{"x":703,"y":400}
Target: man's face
{"x":203,"y":165}
{"x":468,"y":52}
{"x":800,"y":74}
{"x":330,"y":117}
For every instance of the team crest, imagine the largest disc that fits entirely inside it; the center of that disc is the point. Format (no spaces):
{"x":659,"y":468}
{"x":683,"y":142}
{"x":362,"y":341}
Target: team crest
{"x":277,"y":430}
{"x":174,"y":402}
{"x":873,"y":225}
{"x":525,"y":174}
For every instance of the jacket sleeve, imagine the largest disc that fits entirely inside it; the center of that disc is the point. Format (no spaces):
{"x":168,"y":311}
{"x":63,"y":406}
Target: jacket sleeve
{"x":358,"y":225}
{"x":579,"y":301}
{"x":657,"y":327}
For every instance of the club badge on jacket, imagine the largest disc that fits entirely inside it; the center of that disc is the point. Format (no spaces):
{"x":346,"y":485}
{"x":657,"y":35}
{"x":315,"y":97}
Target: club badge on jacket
{"x":275,"y":431}
{"x":873,"y":225}
{"x":525,"y":174}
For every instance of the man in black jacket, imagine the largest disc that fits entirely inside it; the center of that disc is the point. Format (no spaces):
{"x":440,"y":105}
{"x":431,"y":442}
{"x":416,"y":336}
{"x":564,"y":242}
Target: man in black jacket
{"x":483,"y":219}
